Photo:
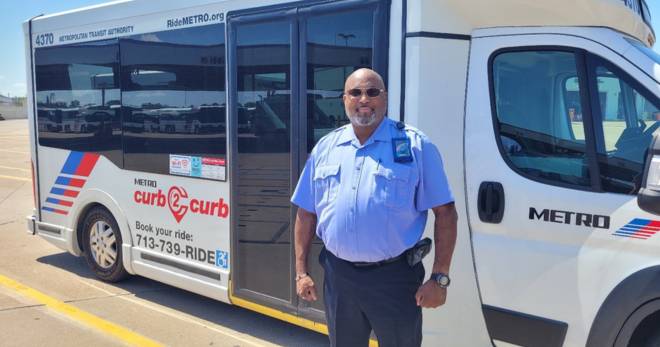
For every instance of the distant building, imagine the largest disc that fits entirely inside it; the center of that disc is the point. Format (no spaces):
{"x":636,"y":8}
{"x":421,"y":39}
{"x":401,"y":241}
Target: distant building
{"x":12,"y":108}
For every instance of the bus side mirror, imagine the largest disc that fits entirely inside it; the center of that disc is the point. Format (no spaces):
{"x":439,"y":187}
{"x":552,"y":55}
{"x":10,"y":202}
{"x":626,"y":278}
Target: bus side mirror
{"x":649,"y":196}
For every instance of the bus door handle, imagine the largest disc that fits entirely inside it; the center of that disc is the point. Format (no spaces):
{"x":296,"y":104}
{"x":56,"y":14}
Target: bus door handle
{"x":491,"y":202}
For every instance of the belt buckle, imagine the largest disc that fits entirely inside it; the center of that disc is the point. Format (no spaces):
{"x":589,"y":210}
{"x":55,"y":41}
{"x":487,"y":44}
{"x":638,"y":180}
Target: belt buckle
{"x":376,"y":263}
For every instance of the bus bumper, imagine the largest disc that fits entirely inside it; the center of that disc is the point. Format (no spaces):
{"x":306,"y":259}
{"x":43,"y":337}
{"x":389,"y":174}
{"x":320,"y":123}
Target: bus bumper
{"x":31,"y":225}
{"x":57,"y":235}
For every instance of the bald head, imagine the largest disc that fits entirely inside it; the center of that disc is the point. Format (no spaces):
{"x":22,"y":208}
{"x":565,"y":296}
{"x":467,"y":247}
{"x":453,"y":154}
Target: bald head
{"x":365,"y":109}
{"x":364,"y":74}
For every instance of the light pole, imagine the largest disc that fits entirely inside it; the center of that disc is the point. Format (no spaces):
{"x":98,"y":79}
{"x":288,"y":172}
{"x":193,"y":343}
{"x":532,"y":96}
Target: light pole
{"x":346,"y":37}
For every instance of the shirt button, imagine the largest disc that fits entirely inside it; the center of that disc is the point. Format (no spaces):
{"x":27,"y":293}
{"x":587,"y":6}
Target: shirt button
{"x":357,"y":168}
{"x":353,"y":188}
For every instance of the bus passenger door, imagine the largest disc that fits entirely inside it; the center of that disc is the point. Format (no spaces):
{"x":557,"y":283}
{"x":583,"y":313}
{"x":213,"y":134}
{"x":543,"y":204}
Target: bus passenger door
{"x":286,"y":74}
{"x":261,"y":76}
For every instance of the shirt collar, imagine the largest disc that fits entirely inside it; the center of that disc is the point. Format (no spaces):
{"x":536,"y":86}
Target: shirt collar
{"x":380,"y":134}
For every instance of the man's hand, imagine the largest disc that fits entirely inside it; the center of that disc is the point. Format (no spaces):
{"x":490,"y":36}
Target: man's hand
{"x":431,"y":295}
{"x":305,"y":288}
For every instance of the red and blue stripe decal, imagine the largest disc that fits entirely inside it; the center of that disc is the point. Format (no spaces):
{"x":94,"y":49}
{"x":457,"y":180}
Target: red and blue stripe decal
{"x":639,"y":229}
{"x":73,"y":176}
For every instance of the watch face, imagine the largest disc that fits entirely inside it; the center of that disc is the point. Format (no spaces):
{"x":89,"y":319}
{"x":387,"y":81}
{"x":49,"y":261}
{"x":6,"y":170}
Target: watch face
{"x":441,"y":279}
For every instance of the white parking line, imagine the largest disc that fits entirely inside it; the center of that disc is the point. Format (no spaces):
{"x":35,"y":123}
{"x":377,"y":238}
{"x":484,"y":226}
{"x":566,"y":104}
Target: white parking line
{"x":14,"y":168}
{"x":166,"y":312}
{"x":16,"y":178}
{"x":10,"y":151}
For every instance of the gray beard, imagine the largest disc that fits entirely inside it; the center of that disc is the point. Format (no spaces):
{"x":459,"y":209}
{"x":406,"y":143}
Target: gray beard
{"x":363,"y":121}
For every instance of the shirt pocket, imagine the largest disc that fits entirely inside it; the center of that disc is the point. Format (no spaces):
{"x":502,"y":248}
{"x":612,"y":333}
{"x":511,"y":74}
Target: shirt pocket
{"x":393,"y":185}
{"x":326,"y":182}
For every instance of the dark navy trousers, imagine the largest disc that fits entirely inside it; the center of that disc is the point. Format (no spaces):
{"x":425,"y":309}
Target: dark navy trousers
{"x":382,"y":298}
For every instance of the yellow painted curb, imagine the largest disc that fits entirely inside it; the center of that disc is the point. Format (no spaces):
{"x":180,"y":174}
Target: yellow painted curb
{"x":76,"y":314}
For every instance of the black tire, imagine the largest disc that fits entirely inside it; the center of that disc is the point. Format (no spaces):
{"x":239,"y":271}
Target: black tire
{"x":647,"y":334}
{"x":102,"y":245}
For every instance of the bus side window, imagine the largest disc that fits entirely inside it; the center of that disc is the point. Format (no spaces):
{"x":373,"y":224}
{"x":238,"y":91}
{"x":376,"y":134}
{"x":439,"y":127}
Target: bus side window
{"x":628,"y":119}
{"x":78,"y":105}
{"x":573,"y":106}
{"x":173,"y":96}
{"x":541,"y":132}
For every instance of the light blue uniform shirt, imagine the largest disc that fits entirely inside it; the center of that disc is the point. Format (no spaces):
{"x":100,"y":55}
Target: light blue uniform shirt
{"x":369,"y":207}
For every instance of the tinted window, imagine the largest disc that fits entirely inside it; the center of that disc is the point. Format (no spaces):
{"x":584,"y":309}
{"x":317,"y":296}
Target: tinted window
{"x":337,"y":45}
{"x":264,"y":88}
{"x":264,"y":137}
{"x":173,"y":96}
{"x":574,"y":107}
{"x":539,"y":115}
{"x":78,"y":105}
{"x":628,"y":120}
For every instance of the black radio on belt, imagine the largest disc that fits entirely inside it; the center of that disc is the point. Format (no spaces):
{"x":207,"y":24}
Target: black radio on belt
{"x":415,"y":254}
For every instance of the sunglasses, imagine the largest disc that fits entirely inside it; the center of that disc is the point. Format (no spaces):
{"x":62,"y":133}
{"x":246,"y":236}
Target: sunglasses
{"x":370,"y":92}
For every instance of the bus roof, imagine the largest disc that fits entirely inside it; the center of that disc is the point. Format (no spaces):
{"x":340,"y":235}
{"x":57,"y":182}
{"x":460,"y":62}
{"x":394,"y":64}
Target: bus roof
{"x":628,"y":16}
{"x":446,"y":16}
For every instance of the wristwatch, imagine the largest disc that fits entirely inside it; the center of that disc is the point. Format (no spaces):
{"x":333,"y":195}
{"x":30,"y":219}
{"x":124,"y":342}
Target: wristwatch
{"x":441,"y":279}
{"x":301,"y":276}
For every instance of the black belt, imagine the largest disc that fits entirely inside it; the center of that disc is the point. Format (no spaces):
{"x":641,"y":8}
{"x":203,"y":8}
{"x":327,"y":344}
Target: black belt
{"x":378,"y":263}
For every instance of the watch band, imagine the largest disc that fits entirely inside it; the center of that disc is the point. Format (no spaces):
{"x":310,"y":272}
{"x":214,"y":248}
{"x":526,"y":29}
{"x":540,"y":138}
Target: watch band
{"x":301,"y":276}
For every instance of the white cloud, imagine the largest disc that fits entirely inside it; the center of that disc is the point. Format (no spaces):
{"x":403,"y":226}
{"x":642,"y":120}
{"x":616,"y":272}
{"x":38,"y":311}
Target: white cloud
{"x":19,"y":85}
{"x":151,"y":38}
{"x":2,"y":77}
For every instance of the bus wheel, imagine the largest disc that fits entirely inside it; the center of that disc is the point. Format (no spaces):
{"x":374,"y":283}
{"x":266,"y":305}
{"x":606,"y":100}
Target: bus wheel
{"x":102,"y":245}
{"x":654,"y":340}
{"x":641,"y":327}
{"x":647,"y":333}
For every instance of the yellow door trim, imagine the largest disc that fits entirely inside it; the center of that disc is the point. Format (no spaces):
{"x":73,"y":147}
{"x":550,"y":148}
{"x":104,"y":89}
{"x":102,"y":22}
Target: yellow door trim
{"x":283,"y":316}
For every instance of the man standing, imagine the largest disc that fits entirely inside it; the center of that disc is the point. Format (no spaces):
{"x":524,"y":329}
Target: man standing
{"x":366,"y":190}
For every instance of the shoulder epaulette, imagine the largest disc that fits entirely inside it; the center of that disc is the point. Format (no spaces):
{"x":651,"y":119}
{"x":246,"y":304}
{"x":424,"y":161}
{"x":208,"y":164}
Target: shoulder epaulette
{"x":336,"y":130}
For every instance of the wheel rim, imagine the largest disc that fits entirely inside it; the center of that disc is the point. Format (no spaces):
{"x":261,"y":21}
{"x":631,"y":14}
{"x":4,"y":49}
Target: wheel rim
{"x":103,"y":244}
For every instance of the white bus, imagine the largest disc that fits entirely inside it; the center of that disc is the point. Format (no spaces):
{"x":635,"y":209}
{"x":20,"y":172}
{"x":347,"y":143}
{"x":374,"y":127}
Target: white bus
{"x":545,"y":113}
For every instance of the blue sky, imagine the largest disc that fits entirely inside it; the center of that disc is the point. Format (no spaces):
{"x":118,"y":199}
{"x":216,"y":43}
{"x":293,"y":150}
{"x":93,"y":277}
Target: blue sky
{"x":14,"y":12}
{"x":12,"y":59}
